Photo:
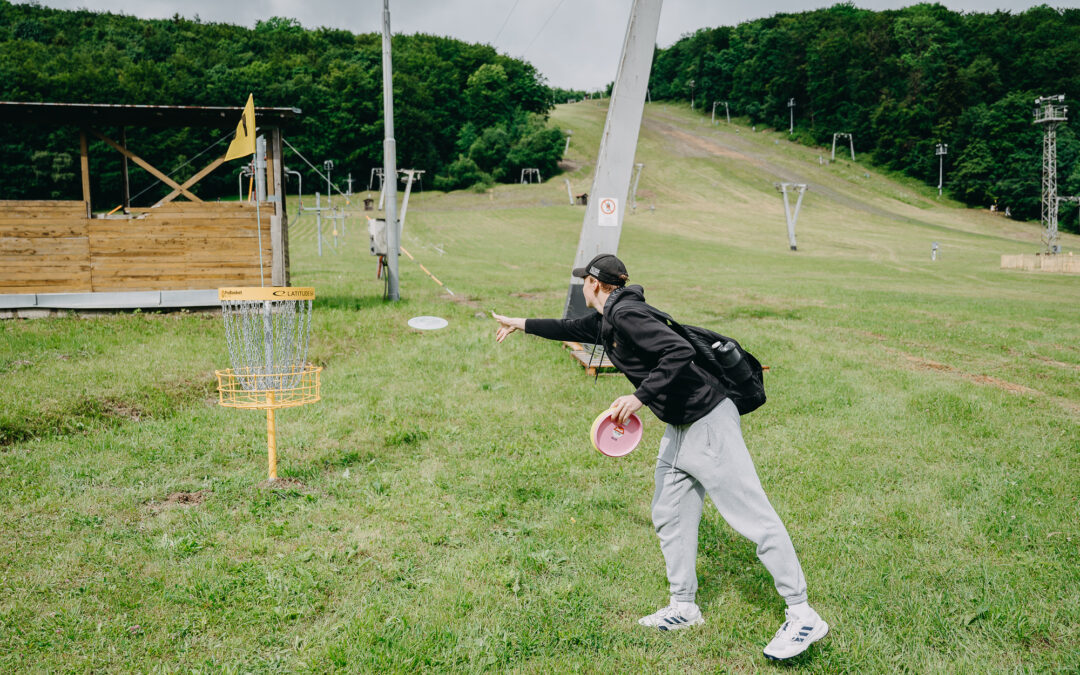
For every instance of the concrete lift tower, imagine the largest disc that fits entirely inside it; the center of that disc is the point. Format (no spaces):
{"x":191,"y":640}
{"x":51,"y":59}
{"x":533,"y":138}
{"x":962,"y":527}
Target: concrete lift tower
{"x":528,"y":176}
{"x":409,"y":177}
{"x":375,"y":173}
{"x":615,"y":162}
{"x":716,"y":103}
{"x":941,"y":151}
{"x":791,"y":216}
{"x":1050,"y":112}
{"x":851,"y":144}
{"x":791,"y":109}
{"x":637,"y":177}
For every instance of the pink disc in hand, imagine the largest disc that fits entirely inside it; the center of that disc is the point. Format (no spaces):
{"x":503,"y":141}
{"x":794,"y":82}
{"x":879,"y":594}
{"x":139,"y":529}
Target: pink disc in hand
{"x":615,"y":440}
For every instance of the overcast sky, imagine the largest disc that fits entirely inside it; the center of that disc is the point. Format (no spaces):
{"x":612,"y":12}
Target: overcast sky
{"x":574,"y":43}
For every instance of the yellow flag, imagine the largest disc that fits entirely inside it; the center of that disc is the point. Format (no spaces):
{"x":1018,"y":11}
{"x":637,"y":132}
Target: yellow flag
{"x":244,"y":143}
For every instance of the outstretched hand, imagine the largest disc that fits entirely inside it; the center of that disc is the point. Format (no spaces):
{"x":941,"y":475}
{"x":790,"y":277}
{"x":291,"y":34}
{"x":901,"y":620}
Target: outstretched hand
{"x":623,"y":407}
{"x":507,"y":325}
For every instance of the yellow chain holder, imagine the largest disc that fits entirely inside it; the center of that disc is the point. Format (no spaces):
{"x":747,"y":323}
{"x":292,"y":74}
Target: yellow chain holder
{"x":267,"y":331}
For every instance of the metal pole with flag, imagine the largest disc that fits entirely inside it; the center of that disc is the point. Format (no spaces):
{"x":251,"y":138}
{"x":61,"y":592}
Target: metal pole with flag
{"x":243,"y":145}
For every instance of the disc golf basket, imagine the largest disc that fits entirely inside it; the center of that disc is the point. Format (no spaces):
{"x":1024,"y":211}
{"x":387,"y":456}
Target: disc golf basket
{"x":267,"y":331}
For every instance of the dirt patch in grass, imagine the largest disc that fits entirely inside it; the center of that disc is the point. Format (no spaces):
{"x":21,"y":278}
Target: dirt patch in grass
{"x":464,"y":300}
{"x":285,"y":483}
{"x":981,"y":379}
{"x":1050,"y":361}
{"x":121,"y":409}
{"x":177,"y":499}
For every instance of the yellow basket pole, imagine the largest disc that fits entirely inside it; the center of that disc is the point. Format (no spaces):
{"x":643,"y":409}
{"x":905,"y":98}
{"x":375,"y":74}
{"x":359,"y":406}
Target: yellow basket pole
{"x":271,"y":435}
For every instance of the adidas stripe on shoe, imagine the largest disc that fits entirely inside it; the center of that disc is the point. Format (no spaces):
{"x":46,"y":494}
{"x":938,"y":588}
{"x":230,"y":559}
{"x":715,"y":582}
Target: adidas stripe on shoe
{"x":676,"y":616}
{"x":796,"y":635}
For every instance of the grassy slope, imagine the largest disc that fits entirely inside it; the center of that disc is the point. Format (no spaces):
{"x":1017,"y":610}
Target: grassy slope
{"x":443,"y":508}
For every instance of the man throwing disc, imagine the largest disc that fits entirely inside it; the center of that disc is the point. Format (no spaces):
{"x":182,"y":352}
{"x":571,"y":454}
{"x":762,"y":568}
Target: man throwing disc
{"x":702,"y":450}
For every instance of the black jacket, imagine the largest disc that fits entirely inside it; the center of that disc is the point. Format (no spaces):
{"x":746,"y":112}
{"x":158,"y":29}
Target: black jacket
{"x":652,"y":356}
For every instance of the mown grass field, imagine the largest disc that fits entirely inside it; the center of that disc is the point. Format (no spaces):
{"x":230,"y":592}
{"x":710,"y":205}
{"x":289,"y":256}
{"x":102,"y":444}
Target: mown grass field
{"x":442,"y":508}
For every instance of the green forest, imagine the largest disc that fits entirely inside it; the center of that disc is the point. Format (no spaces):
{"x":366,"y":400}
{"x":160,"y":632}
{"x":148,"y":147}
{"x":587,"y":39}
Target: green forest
{"x":901,"y":82}
{"x":463,"y":112}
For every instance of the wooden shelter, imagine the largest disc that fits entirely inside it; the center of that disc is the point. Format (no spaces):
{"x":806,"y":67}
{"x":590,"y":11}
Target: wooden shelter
{"x":174,"y":253}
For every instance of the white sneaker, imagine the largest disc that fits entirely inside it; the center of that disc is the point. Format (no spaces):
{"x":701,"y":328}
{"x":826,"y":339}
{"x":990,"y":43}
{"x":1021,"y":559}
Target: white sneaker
{"x":675,"y":616}
{"x":797,"y":633}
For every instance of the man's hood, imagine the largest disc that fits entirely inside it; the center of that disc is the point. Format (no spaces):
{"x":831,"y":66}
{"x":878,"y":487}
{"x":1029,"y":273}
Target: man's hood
{"x":632,"y":292}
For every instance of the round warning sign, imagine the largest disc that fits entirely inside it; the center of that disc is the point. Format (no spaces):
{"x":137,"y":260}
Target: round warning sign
{"x":609,"y":212}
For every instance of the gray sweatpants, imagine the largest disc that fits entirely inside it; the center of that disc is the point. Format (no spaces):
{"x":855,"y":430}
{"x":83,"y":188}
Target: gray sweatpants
{"x":710,"y":456}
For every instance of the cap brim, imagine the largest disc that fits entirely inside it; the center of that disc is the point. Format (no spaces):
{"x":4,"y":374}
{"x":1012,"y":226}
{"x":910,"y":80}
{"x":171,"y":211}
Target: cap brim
{"x":580,"y":272}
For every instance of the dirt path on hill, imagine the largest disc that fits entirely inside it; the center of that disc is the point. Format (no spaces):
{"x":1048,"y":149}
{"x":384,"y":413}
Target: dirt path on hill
{"x":690,"y":143}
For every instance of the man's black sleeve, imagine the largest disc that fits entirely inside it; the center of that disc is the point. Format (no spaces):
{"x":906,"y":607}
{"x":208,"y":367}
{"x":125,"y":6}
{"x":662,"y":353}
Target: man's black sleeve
{"x":584,"y":329}
{"x":652,"y":336}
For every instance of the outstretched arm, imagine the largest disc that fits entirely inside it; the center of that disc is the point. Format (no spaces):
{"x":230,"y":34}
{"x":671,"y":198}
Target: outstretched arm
{"x":507,"y":325}
{"x":585,"y":329}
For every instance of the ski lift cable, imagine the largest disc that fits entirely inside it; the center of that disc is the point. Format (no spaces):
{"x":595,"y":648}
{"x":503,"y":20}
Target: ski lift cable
{"x":505,"y":21}
{"x":316,"y":170}
{"x":543,"y":26}
{"x":173,"y":172}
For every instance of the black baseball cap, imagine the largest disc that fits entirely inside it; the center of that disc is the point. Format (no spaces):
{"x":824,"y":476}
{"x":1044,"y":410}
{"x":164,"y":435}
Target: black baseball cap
{"x":606,"y":268}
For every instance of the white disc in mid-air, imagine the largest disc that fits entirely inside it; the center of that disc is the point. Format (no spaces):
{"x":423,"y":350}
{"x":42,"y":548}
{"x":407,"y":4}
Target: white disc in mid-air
{"x":428,"y":322}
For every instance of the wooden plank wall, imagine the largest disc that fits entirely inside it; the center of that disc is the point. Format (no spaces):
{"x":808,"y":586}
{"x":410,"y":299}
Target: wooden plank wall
{"x":179,"y":246}
{"x":44,"y":247}
{"x":51,"y":247}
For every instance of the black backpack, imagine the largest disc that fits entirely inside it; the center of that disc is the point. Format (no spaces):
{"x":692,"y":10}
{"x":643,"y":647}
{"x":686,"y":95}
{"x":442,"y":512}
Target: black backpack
{"x":746,"y":390}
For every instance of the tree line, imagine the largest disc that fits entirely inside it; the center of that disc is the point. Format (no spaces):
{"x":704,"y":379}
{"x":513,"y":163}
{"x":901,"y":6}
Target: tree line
{"x":902,"y":81}
{"x":463,"y":112}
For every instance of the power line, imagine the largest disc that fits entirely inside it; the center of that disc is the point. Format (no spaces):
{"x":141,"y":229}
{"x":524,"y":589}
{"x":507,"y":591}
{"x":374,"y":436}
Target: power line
{"x":507,"y":19}
{"x":313,"y":168}
{"x":181,"y":166}
{"x":543,"y":27}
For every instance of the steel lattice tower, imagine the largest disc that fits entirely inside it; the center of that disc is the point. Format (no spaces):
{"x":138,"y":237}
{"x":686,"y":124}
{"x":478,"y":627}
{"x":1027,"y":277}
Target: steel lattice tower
{"x":1051,"y":113}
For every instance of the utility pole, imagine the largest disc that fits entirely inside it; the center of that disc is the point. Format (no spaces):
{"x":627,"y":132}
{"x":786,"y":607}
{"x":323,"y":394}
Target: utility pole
{"x":602,"y":225}
{"x":714,"y":111}
{"x":791,"y":109}
{"x":328,"y":165}
{"x":691,"y":84}
{"x":393,"y":236}
{"x":727,"y":112}
{"x":569,"y":133}
{"x":942,"y":150}
{"x":318,"y":221}
{"x":349,"y":181}
{"x":1051,"y":113}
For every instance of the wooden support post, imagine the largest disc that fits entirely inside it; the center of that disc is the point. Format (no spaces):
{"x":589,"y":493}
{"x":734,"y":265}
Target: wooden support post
{"x":146,"y":165}
{"x":270,"y":172}
{"x":84,"y":161}
{"x":279,"y":223}
{"x":124,"y":172}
